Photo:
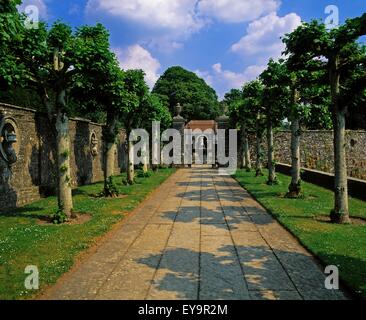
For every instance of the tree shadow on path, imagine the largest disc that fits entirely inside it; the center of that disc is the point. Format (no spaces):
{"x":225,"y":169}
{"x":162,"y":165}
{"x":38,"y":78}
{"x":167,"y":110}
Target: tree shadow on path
{"x":218,"y":274}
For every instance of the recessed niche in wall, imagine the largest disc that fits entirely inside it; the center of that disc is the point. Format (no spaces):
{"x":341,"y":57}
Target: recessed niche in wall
{"x":93,"y":144}
{"x":9,"y":140}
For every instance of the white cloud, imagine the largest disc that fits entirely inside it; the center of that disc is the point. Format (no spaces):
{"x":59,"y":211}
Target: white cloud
{"x":263,"y":36}
{"x":230,"y":79}
{"x":177,"y":15}
{"x":219,"y":77}
{"x":205,"y":75}
{"x":136,"y":57}
{"x":237,"y":10}
{"x":40,"y":4}
{"x":168,"y":23}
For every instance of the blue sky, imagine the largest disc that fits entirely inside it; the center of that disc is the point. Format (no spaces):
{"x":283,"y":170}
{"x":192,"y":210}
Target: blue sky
{"x":226,"y":42}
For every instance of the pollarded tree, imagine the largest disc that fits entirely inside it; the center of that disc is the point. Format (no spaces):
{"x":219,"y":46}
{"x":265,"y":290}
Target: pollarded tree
{"x":154,"y":110}
{"x":308,"y":92}
{"x":132,"y":113}
{"x":252,"y":119}
{"x":276,"y":96}
{"x":253,"y":95}
{"x":49,"y":57}
{"x":237,"y":114}
{"x":99,"y":89}
{"x":53,"y":59}
{"x":341,"y":51}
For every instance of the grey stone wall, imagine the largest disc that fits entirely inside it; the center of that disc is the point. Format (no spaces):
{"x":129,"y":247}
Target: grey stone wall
{"x":33,"y":175}
{"x":317,"y":151}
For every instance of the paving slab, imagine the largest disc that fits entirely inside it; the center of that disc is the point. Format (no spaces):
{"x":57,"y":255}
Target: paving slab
{"x":200,"y":236}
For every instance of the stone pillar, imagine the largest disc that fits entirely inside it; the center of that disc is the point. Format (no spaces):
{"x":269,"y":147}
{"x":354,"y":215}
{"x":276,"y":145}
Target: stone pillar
{"x":223,"y":123}
{"x":179,"y":124}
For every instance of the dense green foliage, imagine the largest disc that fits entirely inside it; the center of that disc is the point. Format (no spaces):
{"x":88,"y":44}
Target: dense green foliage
{"x":312,"y":42}
{"x":276,"y":93}
{"x":178,"y":85}
{"x":98,"y":89}
{"x":11,"y":26}
{"x":11,"y":70}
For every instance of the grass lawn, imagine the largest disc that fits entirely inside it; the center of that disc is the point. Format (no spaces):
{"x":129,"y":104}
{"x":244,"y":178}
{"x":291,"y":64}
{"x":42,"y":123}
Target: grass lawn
{"x":341,"y":245}
{"x":53,"y":248}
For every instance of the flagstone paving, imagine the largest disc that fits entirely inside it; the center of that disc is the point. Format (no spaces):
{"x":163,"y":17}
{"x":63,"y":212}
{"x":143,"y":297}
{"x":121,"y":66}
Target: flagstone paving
{"x":200,"y":236}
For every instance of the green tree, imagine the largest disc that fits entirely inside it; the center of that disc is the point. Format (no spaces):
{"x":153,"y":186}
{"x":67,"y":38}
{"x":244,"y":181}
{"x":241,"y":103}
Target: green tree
{"x":154,"y":110}
{"x":353,"y":93}
{"x":132,"y":110}
{"x":178,"y":85}
{"x":12,"y":69}
{"x":235,"y":104}
{"x":276,"y":96}
{"x":243,"y":105}
{"x":253,"y":95}
{"x":339,"y":47}
{"x":98,"y":89}
{"x":11,"y":36}
{"x":253,"y":121}
{"x":308,"y":92}
{"x":54,"y":58}
{"x":49,"y":57}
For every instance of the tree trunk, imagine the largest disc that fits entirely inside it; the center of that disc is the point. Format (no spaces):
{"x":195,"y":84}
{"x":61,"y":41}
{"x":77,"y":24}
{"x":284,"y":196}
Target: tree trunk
{"x":272,"y":179}
{"x":62,"y":141}
{"x":130,"y":166}
{"x":110,"y":147}
{"x":145,"y":166}
{"x":258,"y":163}
{"x":110,"y":159}
{"x":246,"y":149}
{"x":241,"y":160}
{"x":63,"y":164}
{"x":295,"y":185}
{"x":340,"y":214}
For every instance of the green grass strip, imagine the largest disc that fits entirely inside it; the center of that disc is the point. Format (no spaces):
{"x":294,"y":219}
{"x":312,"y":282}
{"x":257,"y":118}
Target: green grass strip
{"x":53,"y":248}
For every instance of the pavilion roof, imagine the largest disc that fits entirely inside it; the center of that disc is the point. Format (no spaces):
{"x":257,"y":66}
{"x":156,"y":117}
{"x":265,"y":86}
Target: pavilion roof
{"x":201,"y":125}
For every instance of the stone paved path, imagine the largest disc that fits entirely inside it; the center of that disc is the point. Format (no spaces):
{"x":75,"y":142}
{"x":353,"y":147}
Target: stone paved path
{"x":201,"y":236}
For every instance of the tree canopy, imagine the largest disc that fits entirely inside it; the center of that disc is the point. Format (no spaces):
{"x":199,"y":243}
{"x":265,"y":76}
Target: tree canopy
{"x":198,"y":99}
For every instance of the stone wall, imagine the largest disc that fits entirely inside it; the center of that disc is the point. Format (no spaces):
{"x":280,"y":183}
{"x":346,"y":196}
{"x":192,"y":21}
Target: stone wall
{"x":33,"y":174}
{"x":317,"y":151}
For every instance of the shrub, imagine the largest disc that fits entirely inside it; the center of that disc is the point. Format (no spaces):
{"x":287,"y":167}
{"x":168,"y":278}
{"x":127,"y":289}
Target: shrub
{"x":110,"y":188}
{"x":142,"y":174}
{"x":59,"y":217}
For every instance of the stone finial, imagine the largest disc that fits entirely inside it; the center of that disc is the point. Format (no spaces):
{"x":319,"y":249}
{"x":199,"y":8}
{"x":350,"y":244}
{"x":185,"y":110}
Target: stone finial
{"x":223,"y":117}
{"x":178,"y":110}
{"x":224,"y":109}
